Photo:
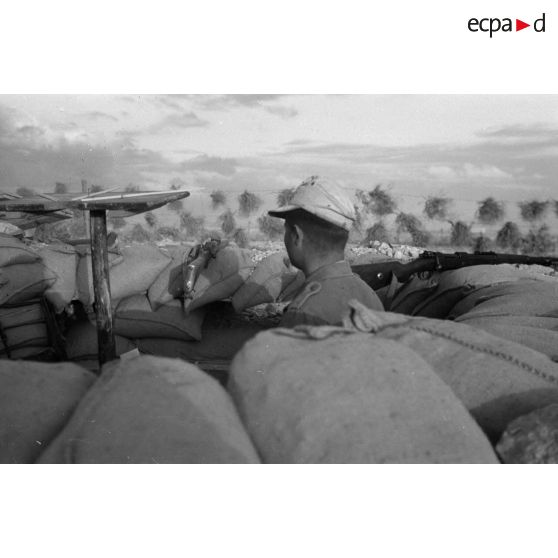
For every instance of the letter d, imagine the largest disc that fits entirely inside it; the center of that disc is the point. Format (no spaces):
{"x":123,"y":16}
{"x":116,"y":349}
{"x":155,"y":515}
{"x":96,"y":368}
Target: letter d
{"x":535,"y":25}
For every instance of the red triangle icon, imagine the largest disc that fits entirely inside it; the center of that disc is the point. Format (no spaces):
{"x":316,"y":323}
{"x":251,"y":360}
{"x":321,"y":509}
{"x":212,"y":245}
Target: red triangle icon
{"x":519,"y":25}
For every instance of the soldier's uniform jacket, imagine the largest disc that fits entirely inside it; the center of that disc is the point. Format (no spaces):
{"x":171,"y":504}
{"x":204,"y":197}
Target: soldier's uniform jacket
{"x":324,"y":297}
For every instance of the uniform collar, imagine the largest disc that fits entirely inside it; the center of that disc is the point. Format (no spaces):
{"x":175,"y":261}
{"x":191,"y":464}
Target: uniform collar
{"x":335,"y":269}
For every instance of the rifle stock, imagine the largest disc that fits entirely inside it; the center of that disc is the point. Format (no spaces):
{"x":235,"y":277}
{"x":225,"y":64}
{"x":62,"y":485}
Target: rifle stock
{"x":380,"y":274}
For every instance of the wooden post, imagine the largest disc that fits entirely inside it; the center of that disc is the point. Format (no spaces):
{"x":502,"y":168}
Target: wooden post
{"x":101,"y":285}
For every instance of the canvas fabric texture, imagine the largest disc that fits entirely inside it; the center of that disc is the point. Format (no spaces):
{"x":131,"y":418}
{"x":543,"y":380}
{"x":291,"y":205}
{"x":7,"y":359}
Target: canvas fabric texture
{"x":349,"y":398}
{"x":153,"y":410}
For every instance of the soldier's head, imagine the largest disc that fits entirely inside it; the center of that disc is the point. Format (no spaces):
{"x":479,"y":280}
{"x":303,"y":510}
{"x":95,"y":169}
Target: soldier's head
{"x":317,"y":222}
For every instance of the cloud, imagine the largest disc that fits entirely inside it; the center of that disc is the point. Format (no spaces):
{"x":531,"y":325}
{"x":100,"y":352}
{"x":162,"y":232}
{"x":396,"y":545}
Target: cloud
{"x":283,"y":112}
{"x":219,"y":102}
{"x":484,"y":171}
{"x":539,"y":132}
{"x":183,"y":120}
{"x":219,"y":165}
{"x":98,"y":115}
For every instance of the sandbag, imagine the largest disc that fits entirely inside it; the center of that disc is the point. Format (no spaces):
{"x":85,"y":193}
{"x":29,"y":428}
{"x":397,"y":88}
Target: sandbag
{"x":169,"y":321}
{"x":496,"y":379}
{"x":22,"y":282}
{"x":222,"y":277}
{"x":62,"y":259}
{"x":169,"y":284}
{"x":82,"y":345}
{"x":349,"y":398}
{"x":269,"y":279}
{"x":137,"y":302}
{"x":36,"y":400}
{"x":14,"y":251}
{"x":23,"y":331}
{"x":153,"y":410}
{"x":451,"y":287}
{"x":525,"y":297}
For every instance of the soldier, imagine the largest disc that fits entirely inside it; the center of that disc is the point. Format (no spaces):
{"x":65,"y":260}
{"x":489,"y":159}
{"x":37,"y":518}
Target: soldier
{"x":317,"y":224}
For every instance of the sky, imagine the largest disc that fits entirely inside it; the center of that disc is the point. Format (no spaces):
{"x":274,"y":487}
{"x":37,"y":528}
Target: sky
{"x":462,"y":146}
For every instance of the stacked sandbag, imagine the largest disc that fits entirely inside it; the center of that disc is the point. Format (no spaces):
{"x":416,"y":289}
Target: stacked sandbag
{"x":135,"y":319}
{"x":271,"y":277}
{"x":22,"y":282}
{"x":24,"y":331}
{"x":62,"y":259}
{"x":532,"y":438}
{"x":524,"y":311}
{"x":14,"y":251}
{"x":153,"y":410}
{"x":169,"y":284}
{"x":36,"y":401}
{"x":82,"y":344}
{"x":436,"y":296}
{"x":132,"y":271}
{"x":349,"y":398}
{"x":496,"y":379}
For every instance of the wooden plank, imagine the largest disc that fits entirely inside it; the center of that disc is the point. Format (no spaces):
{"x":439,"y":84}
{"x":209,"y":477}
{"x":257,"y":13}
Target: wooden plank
{"x":135,"y":203}
{"x":101,"y":286}
{"x":32,"y":205}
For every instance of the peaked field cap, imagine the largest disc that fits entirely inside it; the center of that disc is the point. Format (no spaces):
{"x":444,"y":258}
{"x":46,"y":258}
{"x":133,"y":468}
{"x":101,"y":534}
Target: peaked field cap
{"x":321,"y":198}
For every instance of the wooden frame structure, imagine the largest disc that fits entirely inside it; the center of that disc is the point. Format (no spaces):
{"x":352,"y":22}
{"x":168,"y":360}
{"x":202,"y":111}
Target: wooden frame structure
{"x":43,"y":206}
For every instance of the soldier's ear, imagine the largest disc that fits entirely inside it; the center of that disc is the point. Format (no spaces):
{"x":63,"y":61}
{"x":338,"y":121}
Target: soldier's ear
{"x":298,"y":235}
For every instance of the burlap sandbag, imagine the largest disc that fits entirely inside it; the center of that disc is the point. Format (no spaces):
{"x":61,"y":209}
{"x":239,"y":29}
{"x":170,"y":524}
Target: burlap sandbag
{"x":82,"y":345}
{"x":222,"y":277}
{"x":153,"y":410}
{"x":137,"y":302}
{"x":496,"y":379}
{"x":36,"y":400}
{"x":450,"y":287}
{"x":349,"y":398}
{"x":62,"y":259}
{"x":24,"y":331}
{"x":169,"y":284}
{"x":269,"y":279}
{"x":14,"y":251}
{"x":22,"y":282}
{"x":524,"y":311}
{"x":170,"y":321}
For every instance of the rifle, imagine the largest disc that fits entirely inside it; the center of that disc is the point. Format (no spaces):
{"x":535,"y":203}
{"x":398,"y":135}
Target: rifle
{"x":195,"y":261}
{"x":380,"y":274}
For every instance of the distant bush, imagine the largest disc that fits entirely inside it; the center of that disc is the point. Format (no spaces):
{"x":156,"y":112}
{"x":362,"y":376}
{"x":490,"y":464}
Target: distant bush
{"x":411,"y":224}
{"x":60,"y":188}
{"x":436,"y":207}
{"x":377,"y":232}
{"x":26,"y":192}
{"x":150,"y":219}
{"x":378,"y":201}
{"x":248,"y":203}
{"x":556,"y":208}
{"x":218,"y":199}
{"x":285,"y":196}
{"x":532,"y":210}
{"x":538,"y":242}
{"x":241,"y":238}
{"x":490,"y":211}
{"x":95,"y":188}
{"x":228,"y":222}
{"x":509,"y":237}
{"x":482,"y":243}
{"x":461,"y":234}
{"x":192,"y":226}
{"x":272,"y":227}
{"x":171,"y":233}
{"x":131,"y":188}
{"x":139,"y":234}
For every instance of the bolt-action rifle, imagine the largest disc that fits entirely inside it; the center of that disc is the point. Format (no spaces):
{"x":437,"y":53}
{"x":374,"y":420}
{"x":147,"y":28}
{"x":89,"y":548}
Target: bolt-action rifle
{"x":380,"y":274}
